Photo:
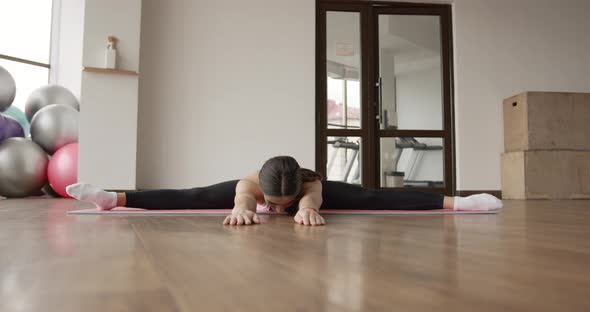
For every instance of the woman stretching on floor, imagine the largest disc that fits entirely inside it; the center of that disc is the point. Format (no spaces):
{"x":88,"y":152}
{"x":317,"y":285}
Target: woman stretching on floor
{"x":280,"y":186}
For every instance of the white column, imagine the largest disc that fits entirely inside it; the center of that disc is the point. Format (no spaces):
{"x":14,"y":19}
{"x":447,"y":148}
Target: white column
{"x":109,"y":102}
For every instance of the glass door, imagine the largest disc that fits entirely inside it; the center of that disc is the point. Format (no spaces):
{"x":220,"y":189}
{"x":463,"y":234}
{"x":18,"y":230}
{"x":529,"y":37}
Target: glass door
{"x":384,"y":117}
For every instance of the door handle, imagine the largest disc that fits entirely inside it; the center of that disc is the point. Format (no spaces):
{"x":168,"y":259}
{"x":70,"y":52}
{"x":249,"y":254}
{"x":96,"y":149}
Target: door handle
{"x":379,"y":104}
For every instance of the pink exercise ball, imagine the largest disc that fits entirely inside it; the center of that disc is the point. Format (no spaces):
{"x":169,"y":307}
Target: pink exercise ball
{"x":63,"y":168}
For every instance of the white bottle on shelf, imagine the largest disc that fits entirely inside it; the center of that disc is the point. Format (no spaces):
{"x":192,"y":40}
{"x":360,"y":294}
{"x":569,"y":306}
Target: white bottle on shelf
{"x":111,"y":53}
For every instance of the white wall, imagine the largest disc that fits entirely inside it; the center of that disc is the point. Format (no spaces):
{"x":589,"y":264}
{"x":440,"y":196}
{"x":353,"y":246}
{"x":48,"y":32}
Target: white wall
{"x":503,"y":47}
{"x":224,"y":86}
{"x":209,"y":111}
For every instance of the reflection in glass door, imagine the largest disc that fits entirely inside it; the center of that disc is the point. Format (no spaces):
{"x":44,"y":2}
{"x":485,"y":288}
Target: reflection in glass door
{"x":412,"y":162}
{"x":409,"y":96}
{"x":343,"y":67}
{"x":343,"y":96}
{"x":410,"y":79}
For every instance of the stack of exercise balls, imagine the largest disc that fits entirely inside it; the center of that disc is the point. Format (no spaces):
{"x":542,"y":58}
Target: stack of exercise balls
{"x":47,"y":160}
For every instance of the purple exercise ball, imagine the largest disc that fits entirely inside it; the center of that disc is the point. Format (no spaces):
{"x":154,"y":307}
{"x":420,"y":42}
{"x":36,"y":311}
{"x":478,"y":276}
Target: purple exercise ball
{"x":10,"y":128}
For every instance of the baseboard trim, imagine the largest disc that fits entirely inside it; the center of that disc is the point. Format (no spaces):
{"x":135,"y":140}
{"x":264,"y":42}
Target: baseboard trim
{"x":496,"y":193}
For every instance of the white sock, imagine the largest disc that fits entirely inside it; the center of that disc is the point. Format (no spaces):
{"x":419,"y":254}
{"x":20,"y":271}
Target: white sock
{"x":92,"y":194}
{"x":481,"y":202}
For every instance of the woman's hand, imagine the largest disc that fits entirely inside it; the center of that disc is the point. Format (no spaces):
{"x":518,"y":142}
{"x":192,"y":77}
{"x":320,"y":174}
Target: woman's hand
{"x":240,"y":216}
{"x":309,"y":216}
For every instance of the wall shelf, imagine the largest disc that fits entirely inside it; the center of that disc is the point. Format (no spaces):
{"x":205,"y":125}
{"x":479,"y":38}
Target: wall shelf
{"x":109,"y":71}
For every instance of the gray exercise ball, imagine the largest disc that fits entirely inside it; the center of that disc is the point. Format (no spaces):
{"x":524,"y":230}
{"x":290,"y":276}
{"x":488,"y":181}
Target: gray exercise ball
{"x":23,"y":167}
{"x":54,"y":126}
{"x":47,"y":95}
{"x":7,"y":89}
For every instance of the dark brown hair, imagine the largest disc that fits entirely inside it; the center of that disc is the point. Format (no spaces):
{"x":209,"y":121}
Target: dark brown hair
{"x":282,"y":176}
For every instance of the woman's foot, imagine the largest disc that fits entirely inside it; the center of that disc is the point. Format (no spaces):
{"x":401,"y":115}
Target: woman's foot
{"x":480,"y":202}
{"x":92,"y":194}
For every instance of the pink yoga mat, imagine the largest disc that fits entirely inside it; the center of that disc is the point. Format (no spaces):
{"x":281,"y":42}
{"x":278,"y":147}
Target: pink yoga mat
{"x":123,"y":211}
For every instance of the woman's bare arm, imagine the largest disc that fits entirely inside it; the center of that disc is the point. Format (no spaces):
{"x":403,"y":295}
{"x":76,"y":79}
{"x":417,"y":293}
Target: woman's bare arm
{"x":310,"y":204}
{"x":312,"y":195}
{"x":248,"y":192}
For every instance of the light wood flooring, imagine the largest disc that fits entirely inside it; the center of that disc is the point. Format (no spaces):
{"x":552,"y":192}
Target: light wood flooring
{"x":532,"y":256}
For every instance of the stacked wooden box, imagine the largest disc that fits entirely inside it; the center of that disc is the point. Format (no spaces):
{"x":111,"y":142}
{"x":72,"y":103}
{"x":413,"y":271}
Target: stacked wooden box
{"x":547,"y":146}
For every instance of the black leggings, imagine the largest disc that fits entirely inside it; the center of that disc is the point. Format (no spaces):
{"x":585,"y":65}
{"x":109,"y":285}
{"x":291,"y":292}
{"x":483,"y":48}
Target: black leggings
{"x":336,"y":195}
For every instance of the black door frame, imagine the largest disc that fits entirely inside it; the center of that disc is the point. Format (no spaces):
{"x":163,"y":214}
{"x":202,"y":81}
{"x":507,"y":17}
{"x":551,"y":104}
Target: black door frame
{"x":370,"y":132}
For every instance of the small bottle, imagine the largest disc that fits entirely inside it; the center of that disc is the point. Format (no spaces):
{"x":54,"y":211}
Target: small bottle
{"x":111,"y":53}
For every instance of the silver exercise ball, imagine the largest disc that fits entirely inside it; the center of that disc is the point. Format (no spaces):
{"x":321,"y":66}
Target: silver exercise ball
{"x":47,"y":95}
{"x":23,"y":167}
{"x":7,"y":89}
{"x":55,"y":126}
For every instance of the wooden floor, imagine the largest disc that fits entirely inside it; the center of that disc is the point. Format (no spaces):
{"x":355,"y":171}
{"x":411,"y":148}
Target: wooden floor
{"x":533,"y":256}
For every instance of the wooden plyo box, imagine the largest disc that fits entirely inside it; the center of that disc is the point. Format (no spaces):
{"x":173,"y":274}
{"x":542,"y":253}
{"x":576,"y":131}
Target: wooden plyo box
{"x":546,"y":175}
{"x":547,"y":121}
